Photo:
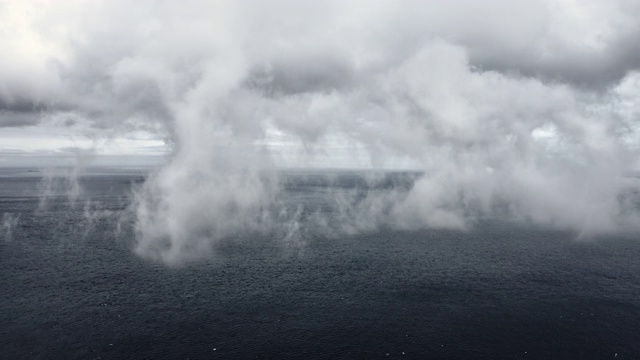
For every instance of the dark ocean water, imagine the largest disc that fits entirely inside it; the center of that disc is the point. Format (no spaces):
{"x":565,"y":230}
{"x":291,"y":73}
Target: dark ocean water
{"x":71,"y":288}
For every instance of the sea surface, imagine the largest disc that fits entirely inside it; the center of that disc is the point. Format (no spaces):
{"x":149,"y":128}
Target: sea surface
{"x":72,"y":288}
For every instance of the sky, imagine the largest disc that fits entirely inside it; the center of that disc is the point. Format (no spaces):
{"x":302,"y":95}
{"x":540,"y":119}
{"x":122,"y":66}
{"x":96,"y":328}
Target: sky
{"x":531,"y":103}
{"x":326,"y":79}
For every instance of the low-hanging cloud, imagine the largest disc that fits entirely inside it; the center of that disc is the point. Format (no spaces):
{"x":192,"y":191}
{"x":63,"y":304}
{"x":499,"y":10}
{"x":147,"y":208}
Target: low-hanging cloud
{"x":520,"y":109}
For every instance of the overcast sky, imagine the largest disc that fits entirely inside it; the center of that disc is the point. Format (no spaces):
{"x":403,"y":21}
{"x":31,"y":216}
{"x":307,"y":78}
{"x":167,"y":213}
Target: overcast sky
{"x":318,"y":83}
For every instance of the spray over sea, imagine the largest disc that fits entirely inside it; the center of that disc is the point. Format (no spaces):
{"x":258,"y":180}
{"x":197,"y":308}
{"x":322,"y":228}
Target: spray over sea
{"x":319,"y":179}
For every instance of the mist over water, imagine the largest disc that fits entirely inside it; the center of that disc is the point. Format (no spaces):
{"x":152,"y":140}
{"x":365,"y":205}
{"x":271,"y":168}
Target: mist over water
{"x":321,"y":179}
{"x":9,"y":223}
{"x":485,"y":143}
{"x":57,"y":182}
{"x":531,"y":116}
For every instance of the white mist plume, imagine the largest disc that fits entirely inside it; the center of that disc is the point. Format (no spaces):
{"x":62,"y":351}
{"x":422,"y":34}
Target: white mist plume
{"x":9,"y":223}
{"x":57,"y":182}
{"x":63,"y":182}
{"x":519,"y":109}
{"x":60,"y":190}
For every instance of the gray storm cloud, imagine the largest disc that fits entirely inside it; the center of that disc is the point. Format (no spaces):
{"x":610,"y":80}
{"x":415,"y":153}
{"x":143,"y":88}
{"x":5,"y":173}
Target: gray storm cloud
{"x":525,"y":109}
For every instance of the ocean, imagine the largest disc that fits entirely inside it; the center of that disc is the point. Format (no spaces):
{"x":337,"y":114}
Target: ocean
{"x":72,"y":288}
